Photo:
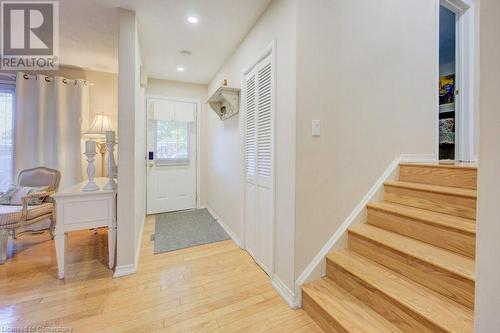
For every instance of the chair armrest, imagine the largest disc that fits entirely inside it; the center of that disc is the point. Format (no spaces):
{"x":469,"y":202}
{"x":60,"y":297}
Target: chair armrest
{"x":27,"y":198}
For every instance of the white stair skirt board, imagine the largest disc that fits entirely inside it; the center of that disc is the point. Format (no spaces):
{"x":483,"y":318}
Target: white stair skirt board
{"x":358,"y":215}
{"x":419,"y":158}
{"x":231,"y":234}
{"x":124,"y":270}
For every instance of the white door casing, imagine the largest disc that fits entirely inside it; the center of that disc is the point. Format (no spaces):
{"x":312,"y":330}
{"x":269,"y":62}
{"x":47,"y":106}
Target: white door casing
{"x":466,"y":48}
{"x":172,"y":171}
{"x":258,"y":105}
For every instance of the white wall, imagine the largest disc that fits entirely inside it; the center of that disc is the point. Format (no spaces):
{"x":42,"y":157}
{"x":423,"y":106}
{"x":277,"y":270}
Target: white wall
{"x":198,"y":92}
{"x":131,"y":146}
{"x":488,"y":223}
{"x":368,"y":70}
{"x":224,"y":138}
{"x":140,"y":149}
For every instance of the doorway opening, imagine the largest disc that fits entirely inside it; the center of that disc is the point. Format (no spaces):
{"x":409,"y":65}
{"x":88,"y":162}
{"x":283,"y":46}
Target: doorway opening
{"x":447,"y":83}
{"x":456,"y":114}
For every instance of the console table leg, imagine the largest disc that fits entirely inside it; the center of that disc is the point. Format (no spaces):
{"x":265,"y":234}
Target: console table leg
{"x":60,"y":240}
{"x":111,"y":246}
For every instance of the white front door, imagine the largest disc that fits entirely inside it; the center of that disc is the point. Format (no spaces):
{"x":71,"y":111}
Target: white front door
{"x":171,"y":178}
{"x":259,"y":152}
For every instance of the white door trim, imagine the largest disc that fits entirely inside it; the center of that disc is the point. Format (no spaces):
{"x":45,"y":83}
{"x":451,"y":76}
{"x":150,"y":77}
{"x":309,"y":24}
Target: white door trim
{"x":269,"y":50}
{"x":465,"y":113}
{"x":198,"y":134}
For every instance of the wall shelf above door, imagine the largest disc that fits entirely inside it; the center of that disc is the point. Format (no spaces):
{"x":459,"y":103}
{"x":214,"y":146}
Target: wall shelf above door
{"x":225,"y":102}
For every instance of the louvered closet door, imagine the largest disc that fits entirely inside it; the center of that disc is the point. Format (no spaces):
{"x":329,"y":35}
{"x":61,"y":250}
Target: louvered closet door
{"x":250,"y":159}
{"x":259,"y":201}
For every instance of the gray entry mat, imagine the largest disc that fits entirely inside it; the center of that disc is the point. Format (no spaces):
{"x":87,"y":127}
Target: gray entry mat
{"x":179,"y":230}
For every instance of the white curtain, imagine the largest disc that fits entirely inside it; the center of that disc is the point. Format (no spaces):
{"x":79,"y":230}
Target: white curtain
{"x":51,"y":115}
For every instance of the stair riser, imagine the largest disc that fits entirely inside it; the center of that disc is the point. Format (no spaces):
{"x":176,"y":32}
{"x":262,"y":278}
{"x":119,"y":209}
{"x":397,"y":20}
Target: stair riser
{"x":437,"y":202}
{"x":456,"y":177}
{"x":320,"y":316}
{"x":446,"y":238}
{"x":433,"y":277}
{"x":406,"y":319}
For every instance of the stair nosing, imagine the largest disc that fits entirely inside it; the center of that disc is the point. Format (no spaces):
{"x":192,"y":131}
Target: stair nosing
{"x":392,"y":295}
{"x":457,"y":228}
{"x":413,"y":255}
{"x":440,"y":166}
{"x":422,"y":187}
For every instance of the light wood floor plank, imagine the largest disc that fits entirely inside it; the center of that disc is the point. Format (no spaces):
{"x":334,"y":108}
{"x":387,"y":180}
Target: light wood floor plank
{"x":211,"y":288}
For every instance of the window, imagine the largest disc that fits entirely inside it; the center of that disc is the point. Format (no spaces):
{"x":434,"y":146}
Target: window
{"x":6,"y":135}
{"x":172,"y":141}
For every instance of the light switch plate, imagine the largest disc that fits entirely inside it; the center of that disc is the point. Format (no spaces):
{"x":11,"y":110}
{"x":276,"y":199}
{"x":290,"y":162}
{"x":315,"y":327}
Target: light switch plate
{"x":316,"y":127}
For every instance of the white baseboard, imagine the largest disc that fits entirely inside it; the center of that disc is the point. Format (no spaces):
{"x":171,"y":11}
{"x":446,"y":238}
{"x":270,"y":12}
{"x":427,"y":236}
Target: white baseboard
{"x":224,"y":226}
{"x":124,"y":270}
{"x":418,"y":158}
{"x":353,"y":216}
{"x":289,"y":296}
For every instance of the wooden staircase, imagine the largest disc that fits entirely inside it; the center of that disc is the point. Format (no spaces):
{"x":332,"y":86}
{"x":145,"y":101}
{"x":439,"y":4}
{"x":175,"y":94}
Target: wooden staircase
{"x":411,"y":267}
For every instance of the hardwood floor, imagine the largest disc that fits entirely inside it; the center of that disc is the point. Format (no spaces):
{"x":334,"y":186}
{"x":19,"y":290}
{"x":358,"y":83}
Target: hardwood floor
{"x":210,"y":288}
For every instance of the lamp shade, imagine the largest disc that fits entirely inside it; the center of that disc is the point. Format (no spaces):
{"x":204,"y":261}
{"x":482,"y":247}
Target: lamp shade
{"x":101,"y":124}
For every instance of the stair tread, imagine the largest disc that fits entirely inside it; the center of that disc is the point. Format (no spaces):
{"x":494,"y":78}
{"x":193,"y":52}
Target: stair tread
{"x":461,"y":224}
{"x":443,"y":312}
{"x":442,"y":166}
{"x":350,"y":312}
{"x":456,"y":191}
{"x":434,"y":255}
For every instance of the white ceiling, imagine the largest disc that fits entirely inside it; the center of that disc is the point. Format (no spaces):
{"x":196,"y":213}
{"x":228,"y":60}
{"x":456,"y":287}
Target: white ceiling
{"x":89,"y":33}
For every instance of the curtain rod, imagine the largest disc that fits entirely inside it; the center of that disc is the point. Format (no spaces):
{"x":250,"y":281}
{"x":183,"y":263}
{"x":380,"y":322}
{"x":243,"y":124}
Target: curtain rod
{"x":12,"y":76}
{"x":47,"y":78}
{"x":50,"y":79}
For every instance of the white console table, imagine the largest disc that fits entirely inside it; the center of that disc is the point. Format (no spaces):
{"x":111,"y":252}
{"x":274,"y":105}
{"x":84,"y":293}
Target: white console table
{"x":78,"y":210}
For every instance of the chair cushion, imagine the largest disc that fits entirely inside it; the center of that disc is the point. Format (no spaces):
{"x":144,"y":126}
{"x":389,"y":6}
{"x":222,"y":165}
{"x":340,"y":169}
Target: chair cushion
{"x":12,"y":214}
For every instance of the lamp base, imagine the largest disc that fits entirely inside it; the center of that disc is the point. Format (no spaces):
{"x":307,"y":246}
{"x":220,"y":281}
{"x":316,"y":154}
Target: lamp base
{"x":110,"y":185}
{"x":90,"y":187}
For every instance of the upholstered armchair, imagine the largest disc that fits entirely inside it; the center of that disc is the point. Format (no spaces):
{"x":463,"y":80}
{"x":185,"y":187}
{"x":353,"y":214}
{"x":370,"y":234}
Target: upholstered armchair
{"x":16,"y":219}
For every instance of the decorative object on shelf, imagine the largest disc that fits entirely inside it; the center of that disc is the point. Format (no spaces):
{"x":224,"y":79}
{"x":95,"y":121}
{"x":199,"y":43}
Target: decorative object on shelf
{"x":90,"y":152}
{"x":97,"y":132}
{"x":225,"y":102}
{"x":447,"y":93}
{"x":110,"y":144}
{"x":447,"y":131}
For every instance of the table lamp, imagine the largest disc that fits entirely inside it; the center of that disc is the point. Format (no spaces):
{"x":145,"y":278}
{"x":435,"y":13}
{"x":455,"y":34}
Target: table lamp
{"x":97,"y":132}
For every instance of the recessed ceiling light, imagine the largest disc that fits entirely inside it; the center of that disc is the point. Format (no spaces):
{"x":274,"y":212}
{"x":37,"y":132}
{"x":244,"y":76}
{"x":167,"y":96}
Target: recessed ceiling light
{"x":180,"y":69}
{"x":192,"y":19}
